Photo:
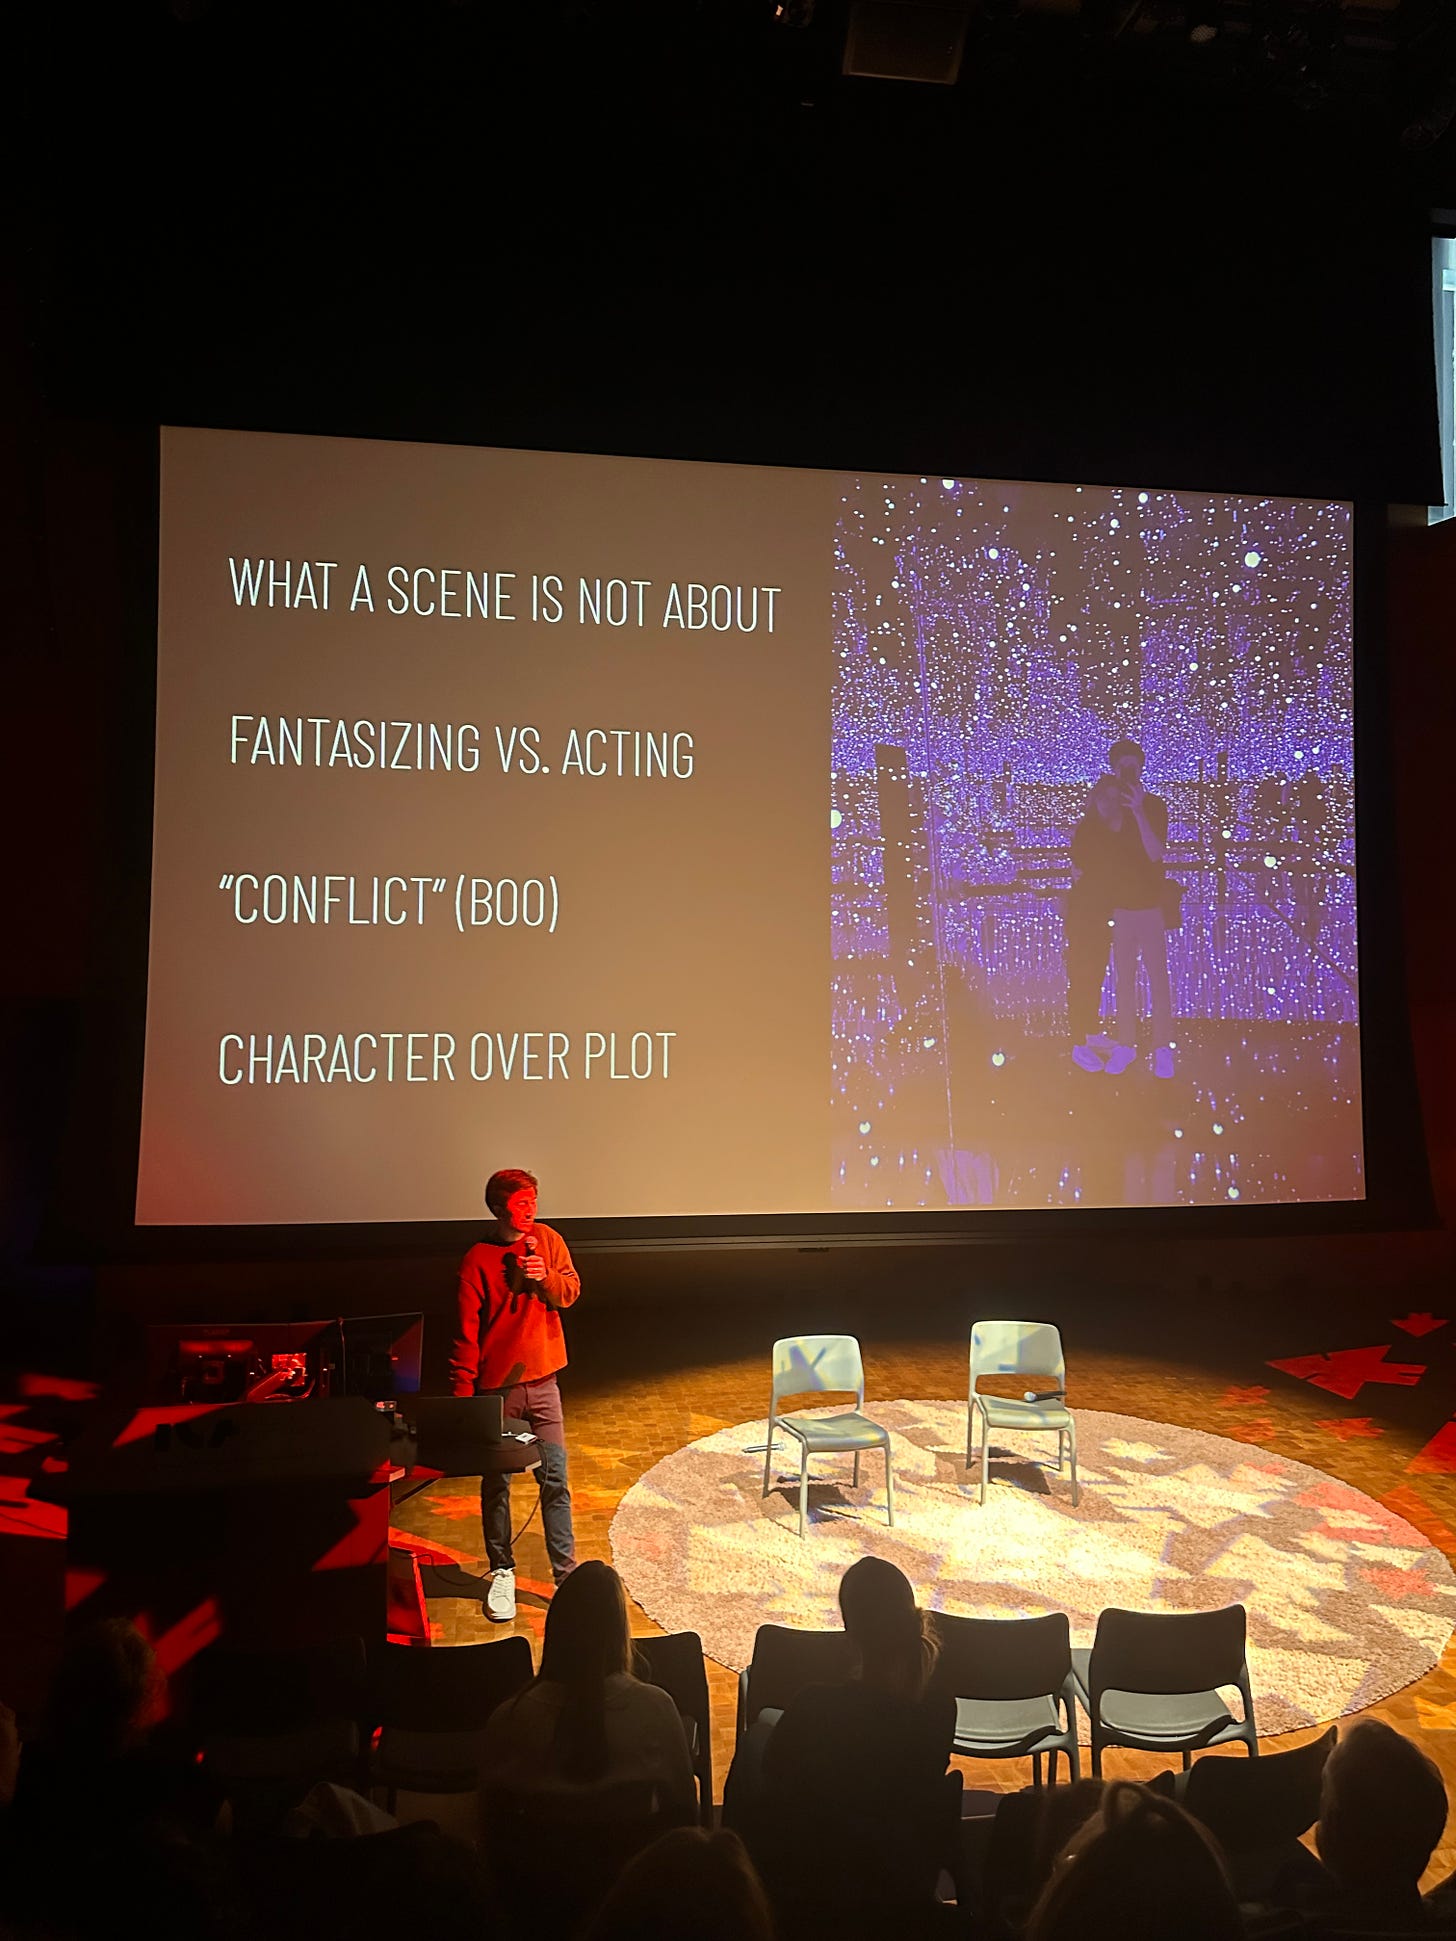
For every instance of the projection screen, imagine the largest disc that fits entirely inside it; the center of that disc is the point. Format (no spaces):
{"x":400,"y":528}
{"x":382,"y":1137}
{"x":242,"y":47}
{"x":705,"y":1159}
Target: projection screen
{"x":728,"y":841}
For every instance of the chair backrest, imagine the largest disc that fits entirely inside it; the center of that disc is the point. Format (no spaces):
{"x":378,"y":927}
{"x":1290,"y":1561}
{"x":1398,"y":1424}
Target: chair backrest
{"x":416,"y":1688}
{"x":785,"y":1661}
{"x":1252,"y":1803}
{"x":1002,"y":1658}
{"x":1016,"y":1348}
{"x":810,"y":1364}
{"x":1167,"y":1651}
{"x":254,"y":1693}
{"x":676,"y":1664}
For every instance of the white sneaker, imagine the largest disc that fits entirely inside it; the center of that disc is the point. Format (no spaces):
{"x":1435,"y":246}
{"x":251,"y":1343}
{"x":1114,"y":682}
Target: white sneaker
{"x":1163,"y":1062}
{"x":1118,"y":1060}
{"x":1087,"y":1058}
{"x":500,"y":1599}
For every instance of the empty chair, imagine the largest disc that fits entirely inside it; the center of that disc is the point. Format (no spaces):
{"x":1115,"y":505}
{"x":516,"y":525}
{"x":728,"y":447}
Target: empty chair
{"x":783,"y":1663}
{"x":1149,"y":1681}
{"x":1011,"y":1679}
{"x":431,"y":1706}
{"x":1032,"y":1352}
{"x":823,"y":1364}
{"x":676,"y":1664}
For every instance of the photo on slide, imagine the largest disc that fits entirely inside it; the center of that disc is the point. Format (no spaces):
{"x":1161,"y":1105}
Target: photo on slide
{"x":1064,"y":975}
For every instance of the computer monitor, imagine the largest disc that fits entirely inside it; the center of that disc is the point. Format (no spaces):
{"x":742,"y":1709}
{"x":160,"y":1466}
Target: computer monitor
{"x":374,"y":1355}
{"x":381,"y":1355}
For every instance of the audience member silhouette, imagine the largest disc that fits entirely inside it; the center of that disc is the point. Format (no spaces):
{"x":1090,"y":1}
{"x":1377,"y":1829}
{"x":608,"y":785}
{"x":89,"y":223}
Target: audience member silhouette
{"x":104,"y":1815}
{"x":690,"y":1885}
{"x":856,"y":1813}
{"x":1140,"y":1869}
{"x":583,"y":1767}
{"x":1382,"y":1813}
{"x":586,"y":1721}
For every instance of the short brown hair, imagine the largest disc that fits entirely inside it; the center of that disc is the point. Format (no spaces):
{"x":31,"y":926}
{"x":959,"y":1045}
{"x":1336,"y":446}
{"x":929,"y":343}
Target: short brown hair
{"x":500,"y":1186}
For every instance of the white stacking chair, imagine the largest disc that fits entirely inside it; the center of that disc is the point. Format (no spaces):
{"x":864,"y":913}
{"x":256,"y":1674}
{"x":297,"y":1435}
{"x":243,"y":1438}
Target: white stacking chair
{"x":819,"y":1364}
{"x":1031,"y":1351}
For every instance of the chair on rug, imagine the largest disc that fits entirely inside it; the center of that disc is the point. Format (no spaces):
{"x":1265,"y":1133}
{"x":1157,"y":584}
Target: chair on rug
{"x":431,"y":1706}
{"x":1149,"y":1682}
{"x":676,"y":1664}
{"x":823,"y":1364}
{"x":1031,"y":1351}
{"x":784,"y":1661}
{"x":1011,"y":1679}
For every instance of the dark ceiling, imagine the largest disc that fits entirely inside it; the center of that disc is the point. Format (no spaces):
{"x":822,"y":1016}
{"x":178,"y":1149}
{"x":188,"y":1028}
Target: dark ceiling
{"x":678,"y":227}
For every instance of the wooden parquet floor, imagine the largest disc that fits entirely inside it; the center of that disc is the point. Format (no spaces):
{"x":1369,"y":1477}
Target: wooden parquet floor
{"x":627,"y":1406}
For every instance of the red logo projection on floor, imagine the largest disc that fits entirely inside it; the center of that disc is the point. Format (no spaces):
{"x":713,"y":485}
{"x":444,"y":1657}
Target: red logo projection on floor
{"x":1347,"y":1370}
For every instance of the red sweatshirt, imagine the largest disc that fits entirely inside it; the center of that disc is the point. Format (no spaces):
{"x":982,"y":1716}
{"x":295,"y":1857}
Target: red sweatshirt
{"x":507,"y":1319}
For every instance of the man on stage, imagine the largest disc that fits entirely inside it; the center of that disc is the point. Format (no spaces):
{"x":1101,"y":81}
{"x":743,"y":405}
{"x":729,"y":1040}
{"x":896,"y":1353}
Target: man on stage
{"x":513,"y":1285}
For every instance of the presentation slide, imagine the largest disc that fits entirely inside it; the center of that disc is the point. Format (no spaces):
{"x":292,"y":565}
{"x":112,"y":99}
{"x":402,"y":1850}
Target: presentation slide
{"x":732,"y":841}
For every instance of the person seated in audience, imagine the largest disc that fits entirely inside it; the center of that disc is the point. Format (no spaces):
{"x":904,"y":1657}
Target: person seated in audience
{"x":1028,"y":1832}
{"x":585,"y":1721}
{"x":853,"y":1816}
{"x":1140,"y":1869}
{"x":1382,"y":1813}
{"x":691,"y":1885}
{"x":104,"y":1814}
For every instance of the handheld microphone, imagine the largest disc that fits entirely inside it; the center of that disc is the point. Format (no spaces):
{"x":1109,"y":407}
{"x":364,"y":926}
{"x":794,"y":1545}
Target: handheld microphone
{"x":1048,"y":1395}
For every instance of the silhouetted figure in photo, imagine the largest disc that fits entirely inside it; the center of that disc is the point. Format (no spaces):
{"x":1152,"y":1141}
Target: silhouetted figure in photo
{"x":1087,"y":921}
{"x":1139,"y":914}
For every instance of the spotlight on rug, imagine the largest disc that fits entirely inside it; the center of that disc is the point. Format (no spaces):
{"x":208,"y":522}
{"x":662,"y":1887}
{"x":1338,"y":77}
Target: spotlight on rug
{"x":1347,"y":1602}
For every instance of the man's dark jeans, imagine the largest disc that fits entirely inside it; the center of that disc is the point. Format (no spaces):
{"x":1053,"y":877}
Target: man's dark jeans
{"x":538,"y":1404}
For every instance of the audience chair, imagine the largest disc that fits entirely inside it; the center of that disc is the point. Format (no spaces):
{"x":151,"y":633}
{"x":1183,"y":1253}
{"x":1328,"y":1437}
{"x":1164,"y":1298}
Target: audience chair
{"x":676,"y":1664}
{"x":1011,"y":1679}
{"x":1252,"y":1803}
{"x":822,"y":1364}
{"x":1031,"y":1351}
{"x":270,"y":1724}
{"x":783,"y":1663}
{"x":1148,"y":1682}
{"x":431,"y":1707}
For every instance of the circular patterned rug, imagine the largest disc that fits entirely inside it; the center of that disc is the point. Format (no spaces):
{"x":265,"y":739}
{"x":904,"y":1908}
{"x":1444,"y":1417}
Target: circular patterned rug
{"x":1347,"y":1602}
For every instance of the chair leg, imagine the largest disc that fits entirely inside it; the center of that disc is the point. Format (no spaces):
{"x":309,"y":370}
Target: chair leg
{"x":889,"y":1488}
{"x":970,"y":1433}
{"x":1072,"y":1446}
{"x":768,"y":1457}
{"x":855,"y":1483}
{"x":1036,"y":1769}
{"x":803,"y":1488}
{"x":985,"y":1458}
